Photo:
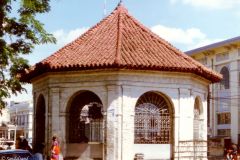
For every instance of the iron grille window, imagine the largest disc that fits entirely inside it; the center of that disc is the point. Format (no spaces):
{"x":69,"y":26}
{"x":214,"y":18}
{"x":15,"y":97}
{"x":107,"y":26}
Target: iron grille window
{"x":91,"y":123}
{"x":196,"y":123}
{"x":224,"y":118}
{"x":152,"y":120}
{"x":224,"y":83}
{"x":86,"y":119}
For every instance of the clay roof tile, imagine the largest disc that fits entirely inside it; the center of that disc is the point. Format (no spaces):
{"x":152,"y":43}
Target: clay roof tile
{"x":120,"y":41}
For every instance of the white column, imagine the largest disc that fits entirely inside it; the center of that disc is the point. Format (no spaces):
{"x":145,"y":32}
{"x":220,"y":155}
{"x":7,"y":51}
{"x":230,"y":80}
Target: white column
{"x":234,"y":102}
{"x":54,"y":102}
{"x":186,"y":115}
{"x":114,"y":123}
{"x":185,"y":124}
{"x":53,"y":116}
{"x":129,"y":103}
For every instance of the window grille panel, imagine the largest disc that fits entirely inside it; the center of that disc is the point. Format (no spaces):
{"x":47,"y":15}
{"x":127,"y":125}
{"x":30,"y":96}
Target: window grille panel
{"x":197,"y":121}
{"x":152,"y":120}
{"x":86,"y":119}
{"x":224,"y":83}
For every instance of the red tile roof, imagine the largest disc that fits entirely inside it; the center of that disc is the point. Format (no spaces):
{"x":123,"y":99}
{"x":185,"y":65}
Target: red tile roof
{"x":119,"y":41}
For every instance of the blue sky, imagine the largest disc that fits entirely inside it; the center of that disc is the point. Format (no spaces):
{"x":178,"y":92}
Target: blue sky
{"x":187,"y":24}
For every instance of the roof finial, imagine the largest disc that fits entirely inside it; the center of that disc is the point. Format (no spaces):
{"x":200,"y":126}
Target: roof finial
{"x":105,"y":8}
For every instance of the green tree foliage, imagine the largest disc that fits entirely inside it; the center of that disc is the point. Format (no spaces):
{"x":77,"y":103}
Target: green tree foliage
{"x":18,"y":36}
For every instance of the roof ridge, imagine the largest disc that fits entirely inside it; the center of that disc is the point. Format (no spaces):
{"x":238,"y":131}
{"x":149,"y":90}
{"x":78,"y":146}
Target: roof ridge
{"x":119,"y":35}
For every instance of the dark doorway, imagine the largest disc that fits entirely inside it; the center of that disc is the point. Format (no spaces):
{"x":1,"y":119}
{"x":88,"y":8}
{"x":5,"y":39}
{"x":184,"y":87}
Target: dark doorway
{"x":40,"y":121}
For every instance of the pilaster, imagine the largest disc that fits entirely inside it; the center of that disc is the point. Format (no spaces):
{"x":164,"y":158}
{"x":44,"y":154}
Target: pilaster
{"x":128,"y":110}
{"x":53,"y":115}
{"x":233,"y":80}
{"x":114,"y":123}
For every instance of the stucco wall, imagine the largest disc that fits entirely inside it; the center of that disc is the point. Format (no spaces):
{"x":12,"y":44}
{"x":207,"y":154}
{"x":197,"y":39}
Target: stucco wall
{"x":119,"y":92}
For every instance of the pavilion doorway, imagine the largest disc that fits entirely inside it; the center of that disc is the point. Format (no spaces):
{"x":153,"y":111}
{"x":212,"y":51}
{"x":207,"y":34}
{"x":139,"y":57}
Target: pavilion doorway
{"x":85,"y":126}
{"x":40,"y":121}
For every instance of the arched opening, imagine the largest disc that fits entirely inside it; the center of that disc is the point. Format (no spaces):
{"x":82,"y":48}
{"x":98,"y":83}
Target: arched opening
{"x":40,"y":120}
{"x":224,"y":84}
{"x":153,"y":125}
{"x":197,"y":121}
{"x":85,"y":126}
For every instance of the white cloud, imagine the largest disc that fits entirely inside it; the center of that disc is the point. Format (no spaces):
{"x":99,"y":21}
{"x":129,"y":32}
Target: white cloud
{"x":204,"y":43}
{"x":210,"y":4}
{"x":178,"y":35}
{"x":186,"y":39}
{"x":64,"y":37}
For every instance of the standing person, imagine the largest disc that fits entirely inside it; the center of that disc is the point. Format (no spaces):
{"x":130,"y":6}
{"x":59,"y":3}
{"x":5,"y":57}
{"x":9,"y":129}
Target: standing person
{"x":235,"y":151}
{"x":26,"y":146}
{"x":55,"y":149}
{"x":38,"y":152}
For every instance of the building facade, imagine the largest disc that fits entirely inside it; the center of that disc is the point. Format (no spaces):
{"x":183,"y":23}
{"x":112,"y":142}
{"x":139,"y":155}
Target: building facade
{"x":16,"y":121}
{"x":119,"y":92}
{"x":21,"y":115}
{"x":224,"y":99}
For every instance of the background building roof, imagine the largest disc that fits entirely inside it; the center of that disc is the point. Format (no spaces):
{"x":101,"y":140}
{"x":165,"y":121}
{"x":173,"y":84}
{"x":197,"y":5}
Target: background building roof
{"x":226,"y":43}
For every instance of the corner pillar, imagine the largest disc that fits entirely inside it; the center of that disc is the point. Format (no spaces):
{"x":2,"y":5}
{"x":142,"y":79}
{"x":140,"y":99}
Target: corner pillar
{"x":114,"y":123}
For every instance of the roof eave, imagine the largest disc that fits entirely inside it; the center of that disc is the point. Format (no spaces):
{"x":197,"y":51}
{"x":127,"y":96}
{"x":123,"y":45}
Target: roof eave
{"x":227,"y":42}
{"x":41,"y":69}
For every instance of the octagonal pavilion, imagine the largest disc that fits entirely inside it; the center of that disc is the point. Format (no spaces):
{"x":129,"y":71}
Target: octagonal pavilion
{"x":119,"y":92}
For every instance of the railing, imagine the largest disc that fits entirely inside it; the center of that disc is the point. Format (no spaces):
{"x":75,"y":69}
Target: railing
{"x":192,"y":149}
{"x":7,"y":144}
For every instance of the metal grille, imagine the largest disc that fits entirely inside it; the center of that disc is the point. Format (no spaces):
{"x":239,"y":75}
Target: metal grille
{"x":197,"y":120}
{"x":152,"y":120}
{"x":196,"y":123}
{"x":86,"y":119}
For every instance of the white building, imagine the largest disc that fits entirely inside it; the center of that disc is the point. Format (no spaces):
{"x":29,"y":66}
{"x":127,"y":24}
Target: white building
{"x":5,"y":134}
{"x":224,"y":102}
{"x":4,"y":116}
{"x":16,"y":121}
{"x":120,"y":91}
{"x":21,"y":115}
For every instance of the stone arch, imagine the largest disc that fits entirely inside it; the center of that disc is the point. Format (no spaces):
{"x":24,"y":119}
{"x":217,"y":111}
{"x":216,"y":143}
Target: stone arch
{"x":154,"y":120}
{"x":40,"y":117}
{"x":224,"y":83}
{"x":198,"y":118}
{"x":84,"y":127}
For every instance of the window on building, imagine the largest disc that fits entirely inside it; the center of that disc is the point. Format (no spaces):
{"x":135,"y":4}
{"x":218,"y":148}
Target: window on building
{"x":203,"y":60}
{"x":224,"y":118}
{"x":23,"y":120}
{"x":222,"y":56}
{"x":27,"y":119}
{"x":27,"y":135}
{"x":18,"y":120}
{"x":12,"y":134}
{"x":224,"y":132}
{"x":152,"y":121}
{"x":224,"y":84}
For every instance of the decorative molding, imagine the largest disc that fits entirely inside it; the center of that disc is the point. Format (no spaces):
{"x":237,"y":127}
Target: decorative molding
{"x":209,"y":52}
